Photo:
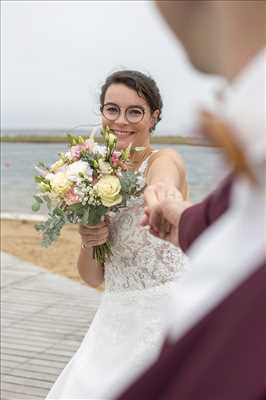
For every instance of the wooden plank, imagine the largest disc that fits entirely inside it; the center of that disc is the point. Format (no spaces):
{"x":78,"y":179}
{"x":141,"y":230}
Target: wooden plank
{"x":37,"y":375}
{"x":23,"y":390}
{"x":53,"y":363}
{"x":32,"y":383}
{"x":28,"y":355}
{"x":35,"y":333}
{"x":45,"y":320}
{"x":44,"y":328}
{"x":68,"y":320}
{"x":23,"y":339}
{"x":8,"y":395}
{"x":45,"y":369}
{"x":62,"y":325}
{"x":8,"y":364}
{"x":12,"y":357}
{"x":26,"y":347}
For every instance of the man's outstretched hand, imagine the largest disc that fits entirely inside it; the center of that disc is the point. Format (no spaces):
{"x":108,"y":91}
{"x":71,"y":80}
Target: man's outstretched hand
{"x":164,"y":205}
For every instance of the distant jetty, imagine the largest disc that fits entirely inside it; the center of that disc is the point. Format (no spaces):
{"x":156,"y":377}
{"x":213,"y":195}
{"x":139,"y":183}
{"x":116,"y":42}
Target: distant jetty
{"x":156,"y":139}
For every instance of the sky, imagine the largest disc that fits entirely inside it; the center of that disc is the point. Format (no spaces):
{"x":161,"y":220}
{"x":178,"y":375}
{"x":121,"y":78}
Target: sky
{"x":56,"y":54}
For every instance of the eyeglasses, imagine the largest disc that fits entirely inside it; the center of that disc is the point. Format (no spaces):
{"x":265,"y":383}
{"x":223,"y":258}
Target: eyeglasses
{"x":133,"y":114}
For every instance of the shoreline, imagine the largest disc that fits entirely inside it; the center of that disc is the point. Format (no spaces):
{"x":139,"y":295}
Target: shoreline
{"x":177,"y":140}
{"x":22,"y":216}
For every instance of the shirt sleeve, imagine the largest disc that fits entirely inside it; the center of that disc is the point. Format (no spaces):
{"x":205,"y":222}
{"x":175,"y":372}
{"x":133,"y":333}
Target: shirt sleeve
{"x":199,"y":217}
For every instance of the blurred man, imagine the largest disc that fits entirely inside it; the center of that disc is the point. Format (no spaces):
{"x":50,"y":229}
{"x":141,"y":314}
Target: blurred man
{"x":216,"y":344}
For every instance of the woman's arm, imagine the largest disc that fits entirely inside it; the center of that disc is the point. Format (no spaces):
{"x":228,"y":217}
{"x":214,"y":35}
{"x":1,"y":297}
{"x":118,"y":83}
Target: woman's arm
{"x":91,"y":235}
{"x":167,"y":168}
{"x":186,"y":221}
{"x":166,"y":188}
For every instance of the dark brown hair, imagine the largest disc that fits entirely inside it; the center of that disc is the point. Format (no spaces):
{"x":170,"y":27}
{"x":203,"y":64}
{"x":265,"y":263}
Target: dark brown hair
{"x":144,"y":85}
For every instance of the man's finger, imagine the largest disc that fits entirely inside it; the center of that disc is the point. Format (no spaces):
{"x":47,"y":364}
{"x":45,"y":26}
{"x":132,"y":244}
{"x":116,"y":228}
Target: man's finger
{"x":152,"y":232}
{"x":155,"y":218}
{"x":144,"y":220}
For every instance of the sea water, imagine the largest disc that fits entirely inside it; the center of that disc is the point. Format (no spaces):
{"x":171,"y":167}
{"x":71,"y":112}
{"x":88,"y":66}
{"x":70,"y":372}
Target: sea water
{"x":205,"y":169}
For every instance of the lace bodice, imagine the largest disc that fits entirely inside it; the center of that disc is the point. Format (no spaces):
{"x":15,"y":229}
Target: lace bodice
{"x":139,"y":259}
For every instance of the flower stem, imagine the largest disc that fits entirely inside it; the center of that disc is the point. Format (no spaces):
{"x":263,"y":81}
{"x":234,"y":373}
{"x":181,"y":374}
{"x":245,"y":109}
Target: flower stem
{"x":102,"y":252}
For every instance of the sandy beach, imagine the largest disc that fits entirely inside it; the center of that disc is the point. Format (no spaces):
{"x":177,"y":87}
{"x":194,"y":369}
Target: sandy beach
{"x":19,"y":237}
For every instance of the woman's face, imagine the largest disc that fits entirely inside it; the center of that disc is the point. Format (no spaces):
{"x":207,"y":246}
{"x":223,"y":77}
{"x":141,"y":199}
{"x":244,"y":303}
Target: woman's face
{"x":127,"y":126}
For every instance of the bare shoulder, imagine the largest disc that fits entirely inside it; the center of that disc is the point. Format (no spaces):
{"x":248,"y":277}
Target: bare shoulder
{"x":166,"y":165}
{"x":166,"y":156}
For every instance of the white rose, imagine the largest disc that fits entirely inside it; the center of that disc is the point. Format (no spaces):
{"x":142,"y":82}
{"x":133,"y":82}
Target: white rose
{"x":99,"y":149}
{"x":60,"y":183}
{"x":76,"y":168}
{"x":108,"y":189}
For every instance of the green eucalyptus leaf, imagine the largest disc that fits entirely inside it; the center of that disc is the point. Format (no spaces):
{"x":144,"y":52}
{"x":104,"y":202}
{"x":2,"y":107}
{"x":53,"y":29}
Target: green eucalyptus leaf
{"x":85,"y":217}
{"x":35,"y":207}
{"x":38,"y":199}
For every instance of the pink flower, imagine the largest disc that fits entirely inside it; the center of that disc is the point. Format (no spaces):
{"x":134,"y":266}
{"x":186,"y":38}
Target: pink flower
{"x":115,"y":157}
{"x":89,"y":145}
{"x":71,"y":197}
{"x":75,"y":151}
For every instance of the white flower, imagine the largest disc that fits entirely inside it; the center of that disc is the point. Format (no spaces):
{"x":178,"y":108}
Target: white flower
{"x":99,"y":149}
{"x":60,"y":183}
{"x":76,"y":168}
{"x":49,"y":177}
{"x":108,"y":189}
{"x":105,"y":167}
{"x":68,"y":155}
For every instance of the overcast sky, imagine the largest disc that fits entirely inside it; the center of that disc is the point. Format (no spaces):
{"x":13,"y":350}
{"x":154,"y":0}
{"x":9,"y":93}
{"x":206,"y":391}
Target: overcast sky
{"x":56,"y":55}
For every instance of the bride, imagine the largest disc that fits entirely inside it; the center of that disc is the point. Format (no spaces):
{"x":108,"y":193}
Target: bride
{"x":128,"y":328}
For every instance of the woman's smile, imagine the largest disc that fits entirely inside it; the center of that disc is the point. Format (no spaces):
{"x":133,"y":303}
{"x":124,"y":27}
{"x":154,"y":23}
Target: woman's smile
{"x":123,"y":134}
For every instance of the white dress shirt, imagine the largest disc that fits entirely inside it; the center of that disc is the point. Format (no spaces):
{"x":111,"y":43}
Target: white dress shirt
{"x":231,"y":249}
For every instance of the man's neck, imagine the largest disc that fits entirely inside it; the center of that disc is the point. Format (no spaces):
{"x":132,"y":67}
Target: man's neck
{"x":240,"y":60}
{"x":244,"y":32}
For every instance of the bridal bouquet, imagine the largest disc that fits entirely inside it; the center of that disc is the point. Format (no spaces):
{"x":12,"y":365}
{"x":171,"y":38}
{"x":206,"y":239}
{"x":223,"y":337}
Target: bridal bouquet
{"x":84,"y":185}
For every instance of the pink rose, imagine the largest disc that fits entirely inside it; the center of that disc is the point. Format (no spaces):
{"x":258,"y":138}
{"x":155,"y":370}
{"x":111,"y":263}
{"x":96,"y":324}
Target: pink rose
{"x":115,"y":157}
{"x":71,"y":197}
{"x":75,"y":151}
{"x":89,"y":145}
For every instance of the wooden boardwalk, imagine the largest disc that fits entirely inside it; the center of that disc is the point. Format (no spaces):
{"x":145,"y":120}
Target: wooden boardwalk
{"x":44,"y":318}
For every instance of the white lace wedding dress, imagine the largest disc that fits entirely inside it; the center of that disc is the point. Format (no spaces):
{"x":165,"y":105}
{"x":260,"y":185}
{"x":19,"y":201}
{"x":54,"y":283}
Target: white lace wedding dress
{"x":128,"y":328}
